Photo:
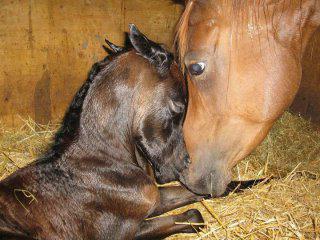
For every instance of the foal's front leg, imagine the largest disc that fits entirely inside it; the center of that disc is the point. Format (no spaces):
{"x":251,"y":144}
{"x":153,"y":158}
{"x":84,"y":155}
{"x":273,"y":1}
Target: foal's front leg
{"x":178,"y":196}
{"x":162,"y":227}
{"x":174,"y":197}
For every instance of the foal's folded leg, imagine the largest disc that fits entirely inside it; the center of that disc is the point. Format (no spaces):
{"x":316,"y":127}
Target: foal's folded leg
{"x":174,"y":197}
{"x":178,"y":196}
{"x":162,"y":227}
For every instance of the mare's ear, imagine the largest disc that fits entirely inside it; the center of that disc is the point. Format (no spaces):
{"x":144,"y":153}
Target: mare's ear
{"x":150,"y":50}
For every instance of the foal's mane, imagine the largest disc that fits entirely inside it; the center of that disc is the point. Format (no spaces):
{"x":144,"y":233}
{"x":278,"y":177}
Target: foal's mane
{"x":69,"y":130}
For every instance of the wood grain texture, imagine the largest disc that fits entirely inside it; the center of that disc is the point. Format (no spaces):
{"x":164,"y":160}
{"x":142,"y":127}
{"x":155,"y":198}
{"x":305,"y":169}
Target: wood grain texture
{"x":48,"y":46}
{"x":307,"y":102}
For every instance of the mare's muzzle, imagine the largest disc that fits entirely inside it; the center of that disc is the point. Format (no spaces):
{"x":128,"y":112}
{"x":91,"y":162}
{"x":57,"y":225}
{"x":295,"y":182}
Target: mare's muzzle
{"x":211,"y":181}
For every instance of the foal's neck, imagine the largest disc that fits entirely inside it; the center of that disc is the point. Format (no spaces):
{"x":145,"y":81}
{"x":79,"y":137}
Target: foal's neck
{"x":104,"y":116}
{"x":98,"y":146}
{"x":105,"y":127}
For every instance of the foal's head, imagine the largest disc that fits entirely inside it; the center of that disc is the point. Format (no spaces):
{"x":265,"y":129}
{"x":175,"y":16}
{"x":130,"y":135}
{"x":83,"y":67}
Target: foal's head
{"x":135,"y":107}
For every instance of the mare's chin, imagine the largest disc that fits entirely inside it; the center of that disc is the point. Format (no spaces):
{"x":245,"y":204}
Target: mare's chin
{"x":202,"y":189}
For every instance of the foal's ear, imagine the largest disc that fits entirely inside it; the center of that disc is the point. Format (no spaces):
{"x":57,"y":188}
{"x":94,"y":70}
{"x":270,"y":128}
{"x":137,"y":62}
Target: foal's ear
{"x":150,"y":50}
{"x":140,"y":42}
{"x":181,"y":1}
{"x":115,"y":48}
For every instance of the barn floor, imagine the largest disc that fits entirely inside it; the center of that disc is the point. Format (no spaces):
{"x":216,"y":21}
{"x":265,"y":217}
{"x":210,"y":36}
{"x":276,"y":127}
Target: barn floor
{"x":285,"y":208}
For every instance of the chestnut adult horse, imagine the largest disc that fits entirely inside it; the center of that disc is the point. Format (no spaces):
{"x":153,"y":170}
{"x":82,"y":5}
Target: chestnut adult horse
{"x":243,"y":62}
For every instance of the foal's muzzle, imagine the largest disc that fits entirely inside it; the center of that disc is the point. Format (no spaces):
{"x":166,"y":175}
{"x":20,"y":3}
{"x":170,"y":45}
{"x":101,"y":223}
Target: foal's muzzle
{"x":172,"y":170}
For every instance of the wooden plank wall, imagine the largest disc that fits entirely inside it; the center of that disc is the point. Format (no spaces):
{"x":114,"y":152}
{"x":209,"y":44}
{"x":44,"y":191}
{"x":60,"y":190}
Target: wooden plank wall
{"x":307,"y":102}
{"x":48,"y":46}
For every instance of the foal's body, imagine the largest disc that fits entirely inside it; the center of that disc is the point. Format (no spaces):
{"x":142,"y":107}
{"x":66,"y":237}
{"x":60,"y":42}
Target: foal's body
{"x":84,"y":198}
{"x":93,"y":183}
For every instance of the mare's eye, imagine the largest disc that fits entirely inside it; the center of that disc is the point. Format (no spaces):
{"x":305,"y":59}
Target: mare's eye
{"x":197,"y":68}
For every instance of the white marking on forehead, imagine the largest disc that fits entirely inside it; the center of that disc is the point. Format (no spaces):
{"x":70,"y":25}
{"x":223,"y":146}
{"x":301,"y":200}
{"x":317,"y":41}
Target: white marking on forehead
{"x":211,"y":22}
{"x":253,"y":27}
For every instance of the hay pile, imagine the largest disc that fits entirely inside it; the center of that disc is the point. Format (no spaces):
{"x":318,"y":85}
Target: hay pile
{"x":285,"y":208}
{"x":20,"y":146}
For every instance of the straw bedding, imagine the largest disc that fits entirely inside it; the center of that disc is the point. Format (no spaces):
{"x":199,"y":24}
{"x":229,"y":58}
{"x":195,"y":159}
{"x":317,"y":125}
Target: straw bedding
{"x":288,"y":207}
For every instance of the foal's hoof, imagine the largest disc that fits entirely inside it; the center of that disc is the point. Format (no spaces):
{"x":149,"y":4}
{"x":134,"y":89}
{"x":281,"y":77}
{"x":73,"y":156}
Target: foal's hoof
{"x":193,"y":216}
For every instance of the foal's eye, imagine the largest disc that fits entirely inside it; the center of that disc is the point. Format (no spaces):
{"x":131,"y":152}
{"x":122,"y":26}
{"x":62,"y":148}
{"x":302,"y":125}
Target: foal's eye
{"x":197,"y":68}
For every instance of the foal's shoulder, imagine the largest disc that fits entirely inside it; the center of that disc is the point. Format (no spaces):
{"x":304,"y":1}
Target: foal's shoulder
{"x":141,"y":188}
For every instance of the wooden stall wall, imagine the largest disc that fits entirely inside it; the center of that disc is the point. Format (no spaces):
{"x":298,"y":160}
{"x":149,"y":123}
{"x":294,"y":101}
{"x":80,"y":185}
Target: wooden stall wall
{"x":48,"y":46}
{"x":307,"y":102}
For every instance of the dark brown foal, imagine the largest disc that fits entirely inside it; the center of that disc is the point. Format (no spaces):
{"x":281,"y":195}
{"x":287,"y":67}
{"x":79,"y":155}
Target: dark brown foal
{"x":92,"y":183}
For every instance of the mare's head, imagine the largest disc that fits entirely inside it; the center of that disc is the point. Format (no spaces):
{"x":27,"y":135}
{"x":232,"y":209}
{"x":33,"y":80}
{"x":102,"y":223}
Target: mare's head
{"x":135,"y":107}
{"x":243,"y":62}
